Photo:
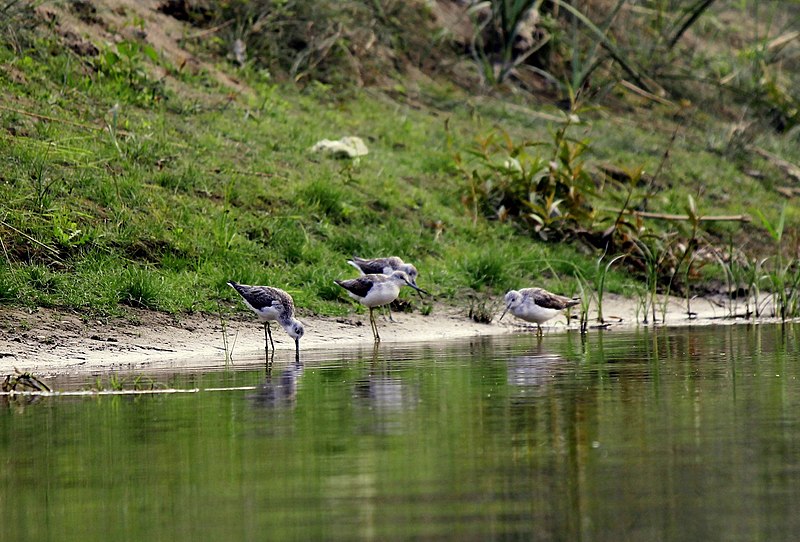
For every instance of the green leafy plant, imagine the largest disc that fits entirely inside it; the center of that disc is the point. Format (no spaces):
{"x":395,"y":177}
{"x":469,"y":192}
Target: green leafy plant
{"x":509,"y":181}
{"x":68,"y":234}
{"x":602,"y":272}
{"x":125,"y":65}
{"x":784,"y":275}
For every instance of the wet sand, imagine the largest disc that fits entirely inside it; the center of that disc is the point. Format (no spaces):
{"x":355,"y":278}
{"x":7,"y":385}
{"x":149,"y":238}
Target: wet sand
{"x":49,"y":342}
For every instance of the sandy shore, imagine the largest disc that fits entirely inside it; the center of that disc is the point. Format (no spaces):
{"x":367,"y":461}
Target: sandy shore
{"x":49,"y":342}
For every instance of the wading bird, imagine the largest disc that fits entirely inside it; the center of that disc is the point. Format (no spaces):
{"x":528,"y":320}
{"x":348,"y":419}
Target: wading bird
{"x":385,"y":266}
{"x":374,"y":290}
{"x":536,"y":305}
{"x":272,"y":305}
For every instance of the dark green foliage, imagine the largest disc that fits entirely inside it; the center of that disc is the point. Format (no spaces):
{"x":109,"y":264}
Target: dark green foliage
{"x":141,"y":288}
{"x":8,"y":285}
{"x":321,"y":41}
{"x":544,"y":187}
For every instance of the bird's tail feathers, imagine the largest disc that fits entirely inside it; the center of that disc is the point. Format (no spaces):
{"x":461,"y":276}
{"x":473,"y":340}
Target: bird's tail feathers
{"x":236,"y":286}
{"x":354,"y":263}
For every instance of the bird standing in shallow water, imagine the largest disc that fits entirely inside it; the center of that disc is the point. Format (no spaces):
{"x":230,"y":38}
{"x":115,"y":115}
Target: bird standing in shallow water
{"x":536,"y":305}
{"x":385,"y":266}
{"x":374,"y":290}
{"x":272,"y":305}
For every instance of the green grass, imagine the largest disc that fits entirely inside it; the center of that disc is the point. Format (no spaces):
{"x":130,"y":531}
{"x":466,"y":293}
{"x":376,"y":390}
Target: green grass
{"x":118,"y":190}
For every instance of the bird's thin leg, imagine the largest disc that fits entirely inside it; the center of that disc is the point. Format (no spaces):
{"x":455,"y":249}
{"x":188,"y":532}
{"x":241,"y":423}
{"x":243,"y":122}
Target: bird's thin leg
{"x":270,"y":356}
{"x":375,"y":333}
{"x":539,"y":329}
{"x":371,"y":325}
{"x":389,"y":308}
{"x":268,"y":336}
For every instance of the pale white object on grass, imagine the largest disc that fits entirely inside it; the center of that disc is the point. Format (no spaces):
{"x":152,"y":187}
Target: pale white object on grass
{"x":347,"y":147}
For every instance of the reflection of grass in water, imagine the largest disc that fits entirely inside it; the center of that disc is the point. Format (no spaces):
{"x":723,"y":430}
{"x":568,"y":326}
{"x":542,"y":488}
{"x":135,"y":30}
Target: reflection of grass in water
{"x":226,"y":342}
{"x":116,"y":383}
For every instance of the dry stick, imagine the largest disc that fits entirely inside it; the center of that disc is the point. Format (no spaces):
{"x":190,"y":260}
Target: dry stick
{"x":709,"y":218}
{"x":780,"y":41}
{"x":212,"y":30}
{"x":787,"y":191}
{"x":5,"y":253}
{"x":62,"y":121}
{"x":28,"y":237}
{"x":242,"y":172}
{"x":790,"y":170}
{"x":645,"y":94}
{"x":683,"y":218}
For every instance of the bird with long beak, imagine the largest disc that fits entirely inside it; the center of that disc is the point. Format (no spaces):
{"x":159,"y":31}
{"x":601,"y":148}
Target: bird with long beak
{"x":375,"y":290}
{"x":385,"y":266}
{"x":536,"y":305}
{"x":272,"y":305}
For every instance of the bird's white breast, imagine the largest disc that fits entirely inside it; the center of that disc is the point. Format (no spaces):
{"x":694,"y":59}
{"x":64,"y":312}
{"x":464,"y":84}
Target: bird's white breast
{"x":268,"y":314}
{"x":382,"y":293}
{"x":531,"y":312}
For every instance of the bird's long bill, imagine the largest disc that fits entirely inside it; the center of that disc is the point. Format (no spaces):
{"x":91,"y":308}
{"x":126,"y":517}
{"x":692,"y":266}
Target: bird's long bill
{"x":297,"y":350}
{"x":504,"y":312}
{"x":417,"y":288}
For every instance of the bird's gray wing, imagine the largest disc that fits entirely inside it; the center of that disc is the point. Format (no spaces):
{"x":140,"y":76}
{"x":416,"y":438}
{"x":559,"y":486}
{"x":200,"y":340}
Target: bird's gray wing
{"x":374,"y":266}
{"x":360,"y":286}
{"x":548,"y":300}
{"x":260,"y":297}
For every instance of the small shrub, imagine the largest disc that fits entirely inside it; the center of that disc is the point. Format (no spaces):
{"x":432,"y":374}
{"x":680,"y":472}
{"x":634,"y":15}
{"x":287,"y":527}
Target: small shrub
{"x":481,"y":308}
{"x":41,"y":278}
{"x":509,"y":181}
{"x":125,"y":66}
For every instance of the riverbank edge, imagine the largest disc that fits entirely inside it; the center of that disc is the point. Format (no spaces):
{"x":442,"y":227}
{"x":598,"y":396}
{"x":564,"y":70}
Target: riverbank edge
{"x":51,"y":342}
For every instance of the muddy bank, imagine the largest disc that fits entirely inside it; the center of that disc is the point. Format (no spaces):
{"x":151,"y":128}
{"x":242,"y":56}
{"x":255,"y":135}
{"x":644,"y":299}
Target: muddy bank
{"x":51,"y":342}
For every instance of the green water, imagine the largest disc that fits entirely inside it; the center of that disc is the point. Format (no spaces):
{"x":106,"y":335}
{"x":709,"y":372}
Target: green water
{"x":653,"y":435}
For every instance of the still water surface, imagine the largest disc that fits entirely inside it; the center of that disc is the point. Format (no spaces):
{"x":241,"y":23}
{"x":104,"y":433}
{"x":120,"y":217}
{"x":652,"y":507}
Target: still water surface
{"x":671,"y":434}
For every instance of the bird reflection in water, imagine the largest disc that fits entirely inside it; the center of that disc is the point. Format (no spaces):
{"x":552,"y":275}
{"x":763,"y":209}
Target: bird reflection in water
{"x":536,"y":369}
{"x":385,"y":398}
{"x":279,"y":390}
